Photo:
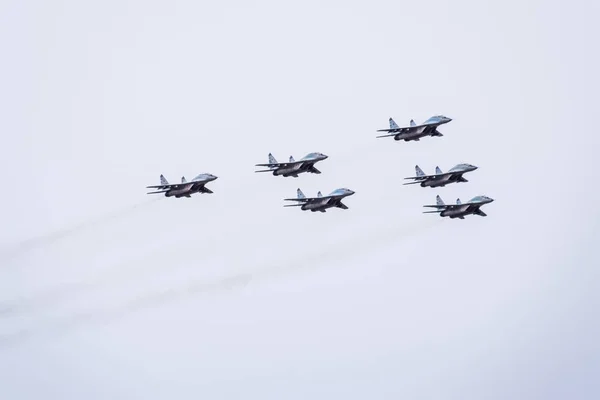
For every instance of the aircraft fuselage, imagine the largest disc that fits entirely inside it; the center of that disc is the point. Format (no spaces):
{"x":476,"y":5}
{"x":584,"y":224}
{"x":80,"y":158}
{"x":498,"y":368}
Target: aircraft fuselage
{"x":321,"y":205}
{"x":461,"y":212}
{"x":294,"y":170}
{"x":430,"y":130}
{"x":290,"y":171}
{"x":442,"y":181}
{"x":180,"y":192}
{"x":188,"y":190}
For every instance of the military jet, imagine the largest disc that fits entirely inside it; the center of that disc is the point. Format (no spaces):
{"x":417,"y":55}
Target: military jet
{"x":293,"y":167}
{"x":455,"y":174}
{"x":185,"y":188}
{"x":321,"y":203}
{"x":460,"y":210}
{"x":414,"y":131}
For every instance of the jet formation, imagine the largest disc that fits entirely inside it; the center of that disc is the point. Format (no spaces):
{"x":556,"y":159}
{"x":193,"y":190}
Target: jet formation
{"x":320,"y":203}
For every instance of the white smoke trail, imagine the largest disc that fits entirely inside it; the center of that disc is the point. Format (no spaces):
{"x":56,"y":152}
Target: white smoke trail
{"x":342,"y":250}
{"x":53,"y":237}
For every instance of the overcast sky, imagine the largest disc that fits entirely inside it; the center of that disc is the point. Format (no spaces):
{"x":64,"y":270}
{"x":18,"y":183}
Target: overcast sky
{"x":106,"y":292}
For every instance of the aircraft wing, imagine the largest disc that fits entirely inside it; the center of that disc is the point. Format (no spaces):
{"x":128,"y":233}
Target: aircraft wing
{"x":403,"y":129}
{"x":394,"y":130}
{"x":432,"y":176}
{"x":446,"y":206}
{"x":305,"y":199}
{"x":171,"y":186}
{"x":281,"y":164}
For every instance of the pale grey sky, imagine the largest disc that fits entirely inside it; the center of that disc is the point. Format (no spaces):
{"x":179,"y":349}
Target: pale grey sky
{"x":106,"y":292}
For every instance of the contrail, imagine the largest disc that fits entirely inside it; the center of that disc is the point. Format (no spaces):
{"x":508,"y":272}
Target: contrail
{"x":350,"y":247}
{"x":52,"y":237}
{"x":130,"y":270}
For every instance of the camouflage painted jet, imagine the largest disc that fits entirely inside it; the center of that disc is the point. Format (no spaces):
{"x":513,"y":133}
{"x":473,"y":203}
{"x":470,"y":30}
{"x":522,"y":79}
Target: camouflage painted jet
{"x":321,"y":203}
{"x":414,"y":131}
{"x":185,"y":188}
{"x":460,"y":210}
{"x":293,"y":167}
{"x":455,"y":174}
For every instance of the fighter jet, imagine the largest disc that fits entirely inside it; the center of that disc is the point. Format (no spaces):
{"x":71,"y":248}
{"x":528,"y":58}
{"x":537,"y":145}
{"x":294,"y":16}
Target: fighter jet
{"x":185,"y":188}
{"x":455,"y":174}
{"x":460,"y":210}
{"x":321,"y":203}
{"x":293,"y":167}
{"x":414,"y":131}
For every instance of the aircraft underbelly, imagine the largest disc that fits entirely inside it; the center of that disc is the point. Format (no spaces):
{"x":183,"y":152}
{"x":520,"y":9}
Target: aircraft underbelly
{"x":438,"y":181}
{"x":315,"y":205}
{"x":456,"y":211}
{"x":183,"y":190}
{"x":289,"y":170}
{"x":417,"y":133}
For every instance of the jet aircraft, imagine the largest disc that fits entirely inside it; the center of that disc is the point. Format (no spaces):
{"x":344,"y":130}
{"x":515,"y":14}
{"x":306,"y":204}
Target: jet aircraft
{"x":321,"y":203}
{"x":293,"y":167}
{"x":460,"y":210}
{"x":455,"y":174}
{"x":414,"y":131}
{"x":185,"y":188}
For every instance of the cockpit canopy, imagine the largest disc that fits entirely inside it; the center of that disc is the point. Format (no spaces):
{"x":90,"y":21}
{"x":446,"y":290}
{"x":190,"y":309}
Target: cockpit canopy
{"x":203,"y":177}
{"x":314,"y":155}
{"x":437,"y":118}
{"x":480,"y":199}
{"x":341,"y":191}
{"x":461,"y":167}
